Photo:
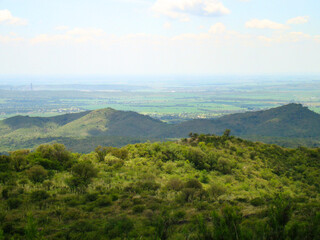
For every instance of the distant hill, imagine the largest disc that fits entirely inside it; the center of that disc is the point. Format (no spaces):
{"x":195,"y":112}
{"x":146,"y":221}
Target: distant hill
{"x":292,"y":120}
{"x":288,"y":125}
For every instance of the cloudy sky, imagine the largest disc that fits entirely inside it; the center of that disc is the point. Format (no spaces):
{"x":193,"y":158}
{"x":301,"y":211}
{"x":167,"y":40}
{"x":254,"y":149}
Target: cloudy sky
{"x":155,"y":37}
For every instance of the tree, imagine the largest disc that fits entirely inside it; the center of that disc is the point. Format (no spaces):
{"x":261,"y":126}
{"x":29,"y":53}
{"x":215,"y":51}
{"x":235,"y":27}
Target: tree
{"x":82,"y":173}
{"x":54,"y":152}
{"x":227,"y":133}
{"x":279,"y":212}
{"x":37,"y":174}
{"x":19,"y":159}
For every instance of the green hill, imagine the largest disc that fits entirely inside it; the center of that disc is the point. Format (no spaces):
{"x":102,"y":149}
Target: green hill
{"x":292,"y":120}
{"x":289,"y":125}
{"x":204,"y":187}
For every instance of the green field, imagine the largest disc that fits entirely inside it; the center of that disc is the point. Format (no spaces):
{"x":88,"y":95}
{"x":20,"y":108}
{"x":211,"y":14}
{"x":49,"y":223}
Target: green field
{"x":171,"y":104}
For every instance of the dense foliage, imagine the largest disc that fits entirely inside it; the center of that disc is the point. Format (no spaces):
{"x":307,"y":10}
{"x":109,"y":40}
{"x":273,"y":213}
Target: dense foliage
{"x":202,"y":187}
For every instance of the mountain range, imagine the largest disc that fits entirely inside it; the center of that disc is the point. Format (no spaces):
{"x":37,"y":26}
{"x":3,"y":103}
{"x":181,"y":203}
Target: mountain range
{"x":288,"y":125}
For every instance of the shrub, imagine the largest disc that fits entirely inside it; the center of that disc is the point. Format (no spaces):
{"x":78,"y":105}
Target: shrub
{"x":224,"y":165}
{"x":216,"y":190}
{"x":193,"y":183}
{"x":227,"y":225}
{"x":14,"y":203}
{"x":113,"y":161}
{"x":138,"y":208}
{"x":279,"y":212}
{"x":204,"y":177}
{"x":179,"y":215}
{"x":19,"y":159}
{"x":37,"y":174}
{"x":39,"y":195}
{"x":84,"y":171}
{"x":77,"y":184}
{"x":71,"y":214}
{"x":197,"y":157}
{"x":175,"y":184}
{"x":147,"y":185}
{"x":49,"y":164}
{"x":31,"y":229}
{"x":104,"y":201}
{"x":118,"y":227}
{"x":6,"y":177}
{"x":257,"y":202}
{"x":91,"y":197}
{"x":54,"y":152}
{"x":5,"y":193}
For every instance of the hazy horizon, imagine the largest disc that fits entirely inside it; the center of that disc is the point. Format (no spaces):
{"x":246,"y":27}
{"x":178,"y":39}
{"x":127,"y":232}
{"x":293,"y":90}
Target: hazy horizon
{"x":159,"y":37}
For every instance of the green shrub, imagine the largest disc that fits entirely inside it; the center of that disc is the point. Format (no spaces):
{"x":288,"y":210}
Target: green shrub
{"x":14,"y":203}
{"x":138,"y":208}
{"x":5,"y":193}
{"x":204,"y":176}
{"x":113,"y":161}
{"x":216,"y":190}
{"x":104,"y":201}
{"x":91,"y":197}
{"x":224,"y":165}
{"x":84,"y":171}
{"x":175,"y":184}
{"x":39,"y":195}
{"x":118,"y":227}
{"x":54,"y":152}
{"x":37,"y":174}
{"x":193,"y":183}
{"x":257,"y":201}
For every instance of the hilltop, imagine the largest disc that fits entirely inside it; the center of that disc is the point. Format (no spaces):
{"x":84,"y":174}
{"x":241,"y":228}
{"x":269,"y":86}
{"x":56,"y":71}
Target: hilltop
{"x":203,"y":187}
{"x":292,"y":120}
{"x":288,"y":125}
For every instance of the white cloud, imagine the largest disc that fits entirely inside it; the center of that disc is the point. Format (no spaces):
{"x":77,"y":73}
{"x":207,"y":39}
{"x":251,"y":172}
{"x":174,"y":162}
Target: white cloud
{"x":182,"y":9}
{"x":7,"y":18}
{"x":317,"y":38}
{"x":217,"y":28}
{"x":298,"y":20}
{"x":264,"y":24}
{"x":286,"y":37}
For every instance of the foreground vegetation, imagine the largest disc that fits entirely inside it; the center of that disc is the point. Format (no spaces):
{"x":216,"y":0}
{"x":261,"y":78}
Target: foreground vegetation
{"x":203,"y":187}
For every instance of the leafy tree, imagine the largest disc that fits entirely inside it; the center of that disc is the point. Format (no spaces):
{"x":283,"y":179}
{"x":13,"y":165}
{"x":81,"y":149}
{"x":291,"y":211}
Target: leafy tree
{"x":37,"y":174}
{"x":55,"y":152}
{"x":226,"y":133}
{"x":19,"y":159}
{"x":84,"y":170}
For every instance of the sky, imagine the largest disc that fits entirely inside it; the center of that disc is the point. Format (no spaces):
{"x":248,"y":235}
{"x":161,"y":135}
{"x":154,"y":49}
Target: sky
{"x":159,"y":37}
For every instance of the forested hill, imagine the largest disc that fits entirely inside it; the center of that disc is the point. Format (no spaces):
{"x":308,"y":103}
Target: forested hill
{"x":203,"y":187}
{"x":289,"y":125}
{"x":292,"y":120}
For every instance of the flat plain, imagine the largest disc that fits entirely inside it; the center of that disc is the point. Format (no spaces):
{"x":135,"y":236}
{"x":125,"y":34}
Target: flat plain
{"x":173,"y":103}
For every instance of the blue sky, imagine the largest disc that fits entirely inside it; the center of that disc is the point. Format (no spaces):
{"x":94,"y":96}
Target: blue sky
{"x":159,"y":37}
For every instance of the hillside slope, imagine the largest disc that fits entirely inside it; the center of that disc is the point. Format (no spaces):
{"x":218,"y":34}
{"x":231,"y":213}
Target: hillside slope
{"x":290,"y":125}
{"x":204,"y":187}
{"x":292,"y":120}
